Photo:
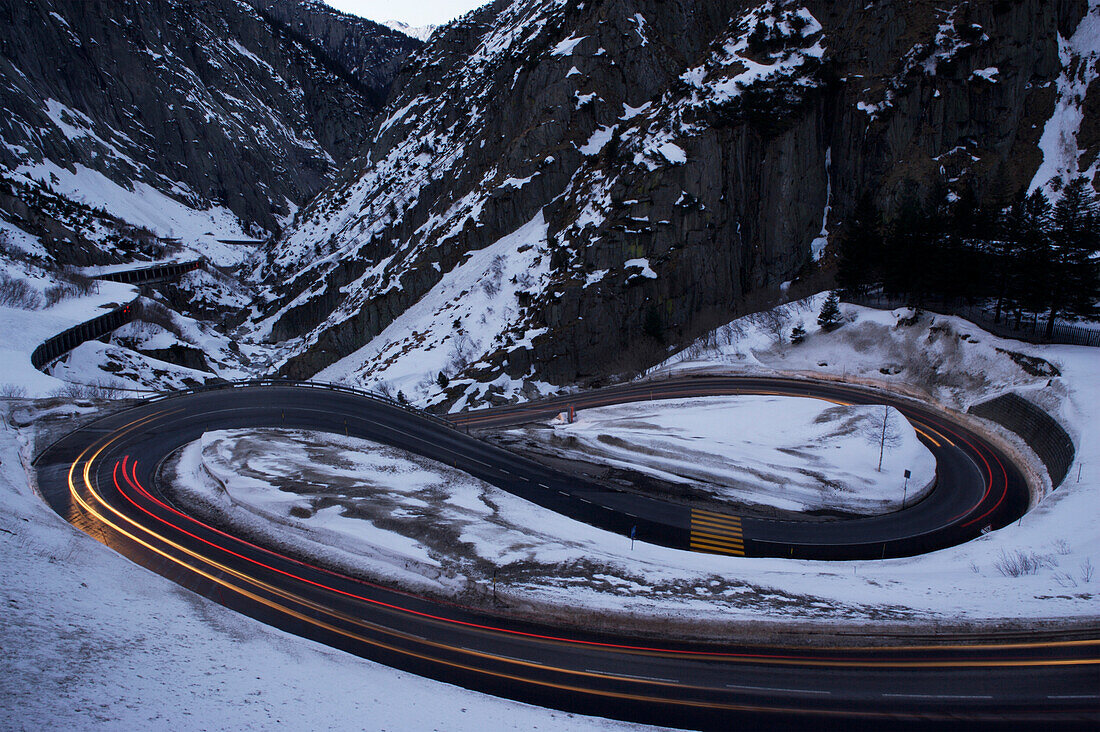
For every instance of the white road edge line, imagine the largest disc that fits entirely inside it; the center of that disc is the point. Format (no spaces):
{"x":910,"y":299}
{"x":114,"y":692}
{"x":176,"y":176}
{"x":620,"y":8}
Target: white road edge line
{"x":630,"y":676}
{"x":512,"y":658}
{"x":777,"y":688}
{"x":941,"y":696}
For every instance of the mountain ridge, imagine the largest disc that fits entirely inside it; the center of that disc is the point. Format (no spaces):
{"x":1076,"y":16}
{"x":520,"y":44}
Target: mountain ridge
{"x":688,"y":160}
{"x":183,"y":118}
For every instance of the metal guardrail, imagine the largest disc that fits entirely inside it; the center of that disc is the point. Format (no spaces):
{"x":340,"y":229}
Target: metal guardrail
{"x":373,"y":396}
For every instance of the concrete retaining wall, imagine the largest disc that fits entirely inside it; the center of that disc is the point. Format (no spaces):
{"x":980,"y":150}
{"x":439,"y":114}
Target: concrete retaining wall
{"x":149,"y":275}
{"x":1037,"y":428}
{"x":67,"y":340}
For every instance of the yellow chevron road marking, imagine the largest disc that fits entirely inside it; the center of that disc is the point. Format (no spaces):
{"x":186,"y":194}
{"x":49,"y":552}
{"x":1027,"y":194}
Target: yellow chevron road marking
{"x":716,"y":533}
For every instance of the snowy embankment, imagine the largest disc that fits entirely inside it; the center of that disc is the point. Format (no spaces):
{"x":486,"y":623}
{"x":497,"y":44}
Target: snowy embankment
{"x":790,"y":453}
{"x":109,"y":367}
{"x":199,"y":231}
{"x":935,"y":357}
{"x":92,"y":641}
{"x":24,"y":329}
{"x":467,"y":314}
{"x":127,"y":361}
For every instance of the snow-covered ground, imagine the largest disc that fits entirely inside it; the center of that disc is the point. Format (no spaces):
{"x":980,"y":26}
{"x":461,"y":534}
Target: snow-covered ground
{"x":92,"y":641}
{"x":24,"y":329}
{"x":199,"y":231}
{"x":793,"y":454}
{"x":942,"y":358}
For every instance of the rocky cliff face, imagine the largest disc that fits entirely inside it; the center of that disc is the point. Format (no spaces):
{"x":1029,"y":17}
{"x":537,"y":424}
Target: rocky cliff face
{"x":188,"y":117}
{"x":370,"y":52}
{"x":655,"y":165}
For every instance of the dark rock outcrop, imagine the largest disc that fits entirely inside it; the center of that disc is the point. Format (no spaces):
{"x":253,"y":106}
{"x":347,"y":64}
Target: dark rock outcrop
{"x":210,"y":103}
{"x":370,"y":52}
{"x":686,"y":156}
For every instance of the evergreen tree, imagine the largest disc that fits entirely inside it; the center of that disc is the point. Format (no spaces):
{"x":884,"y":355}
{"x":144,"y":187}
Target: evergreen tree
{"x":1023,"y":273}
{"x":909,"y":248}
{"x":859,"y":249}
{"x":1076,"y":237}
{"x":829,"y":318}
{"x":964,"y":267}
{"x":798,"y":334}
{"x":652,"y":325}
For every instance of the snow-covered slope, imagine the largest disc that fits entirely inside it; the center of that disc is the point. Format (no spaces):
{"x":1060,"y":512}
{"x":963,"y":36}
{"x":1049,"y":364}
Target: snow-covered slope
{"x":182,"y":118}
{"x":419,"y":32}
{"x":1071,"y":143}
{"x":476,"y":308}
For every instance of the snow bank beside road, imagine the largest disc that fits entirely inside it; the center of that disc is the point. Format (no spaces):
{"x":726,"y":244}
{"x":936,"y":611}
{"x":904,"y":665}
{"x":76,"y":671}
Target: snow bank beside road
{"x":943,"y":358}
{"x":791,"y":453}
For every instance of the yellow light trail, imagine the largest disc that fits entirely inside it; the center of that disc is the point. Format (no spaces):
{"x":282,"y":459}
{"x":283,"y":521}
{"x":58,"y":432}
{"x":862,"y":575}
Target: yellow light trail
{"x":294,"y":598}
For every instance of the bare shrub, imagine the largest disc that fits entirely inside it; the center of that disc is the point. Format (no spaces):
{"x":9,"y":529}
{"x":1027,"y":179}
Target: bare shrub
{"x":13,"y":391}
{"x":491,"y":284}
{"x":72,"y":284}
{"x":57,"y":293}
{"x":80,"y":282}
{"x":8,"y":248}
{"x":1087,"y":571}
{"x":1065,"y":580}
{"x":772,"y":322}
{"x":1062,"y":547}
{"x":18,"y":293}
{"x":462,"y":352}
{"x":1019,"y":563}
{"x":95,"y":390}
{"x":152,"y":312}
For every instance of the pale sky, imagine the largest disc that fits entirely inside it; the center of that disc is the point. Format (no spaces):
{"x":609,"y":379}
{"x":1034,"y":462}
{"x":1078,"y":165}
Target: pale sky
{"x":413,"y":12}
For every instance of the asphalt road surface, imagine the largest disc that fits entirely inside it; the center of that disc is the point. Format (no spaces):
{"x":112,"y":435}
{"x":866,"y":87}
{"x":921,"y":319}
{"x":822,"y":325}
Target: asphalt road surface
{"x":103,"y":478}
